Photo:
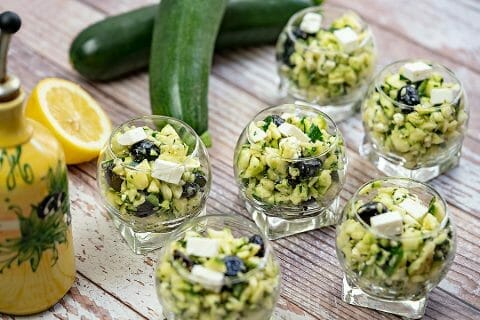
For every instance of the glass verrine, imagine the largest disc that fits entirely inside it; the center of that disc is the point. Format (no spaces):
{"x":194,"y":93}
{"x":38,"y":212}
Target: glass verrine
{"x":330,"y":67}
{"x":290,"y":166}
{"x":218,"y":267}
{"x":153,"y":174}
{"x":409,"y":130}
{"x":395,"y":242}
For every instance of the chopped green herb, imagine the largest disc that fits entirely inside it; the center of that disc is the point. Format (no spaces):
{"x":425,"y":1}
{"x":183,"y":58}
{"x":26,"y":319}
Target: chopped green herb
{"x":267,"y":121}
{"x":315,"y":133}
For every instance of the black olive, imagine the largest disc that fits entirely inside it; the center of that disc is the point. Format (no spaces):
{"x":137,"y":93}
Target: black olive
{"x":288,"y":50}
{"x":200,"y":179}
{"x":277,"y":120}
{"x":113,"y":179}
{"x":293,"y":182}
{"x":371,"y":209}
{"x":234,"y":265}
{"x":300,"y":34}
{"x":144,"y":149}
{"x":257,"y":239}
{"x":187,"y":262}
{"x":408,"y":95}
{"x":308,"y":168}
{"x":190,"y":189}
{"x":51,"y":204}
{"x":145,"y":209}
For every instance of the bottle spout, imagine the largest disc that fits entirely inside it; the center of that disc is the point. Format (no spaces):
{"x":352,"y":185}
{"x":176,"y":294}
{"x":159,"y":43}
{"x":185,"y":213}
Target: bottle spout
{"x":9,"y":84}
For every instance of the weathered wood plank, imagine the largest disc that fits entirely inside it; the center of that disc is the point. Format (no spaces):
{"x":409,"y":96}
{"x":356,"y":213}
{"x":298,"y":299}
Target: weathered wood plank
{"x":111,"y":7}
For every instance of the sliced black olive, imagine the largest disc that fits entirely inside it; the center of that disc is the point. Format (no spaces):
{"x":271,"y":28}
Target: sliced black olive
{"x":408,"y":95}
{"x":144,"y":149}
{"x":300,"y":34}
{"x":257,"y":239}
{"x":113,"y":179}
{"x":200,"y":179}
{"x":371,"y":209}
{"x":145,"y":209}
{"x":50,"y":204}
{"x":234,"y":265}
{"x":277,"y":120}
{"x":190,"y":189}
{"x":187,"y":262}
{"x":308,"y":168}
{"x":288,"y":50}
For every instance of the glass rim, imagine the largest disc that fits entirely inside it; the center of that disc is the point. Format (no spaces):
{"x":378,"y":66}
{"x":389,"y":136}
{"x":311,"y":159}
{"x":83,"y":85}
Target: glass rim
{"x":297,"y":106}
{"x":441,"y":225}
{"x":118,"y":128}
{"x":195,"y":221}
{"x":321,"y":9}
{"x":436,"y":66}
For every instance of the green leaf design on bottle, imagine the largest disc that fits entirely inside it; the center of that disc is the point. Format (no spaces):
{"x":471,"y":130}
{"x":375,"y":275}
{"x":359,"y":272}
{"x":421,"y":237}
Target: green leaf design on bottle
{"x":44,"y":229}
{"x":24,"y":170}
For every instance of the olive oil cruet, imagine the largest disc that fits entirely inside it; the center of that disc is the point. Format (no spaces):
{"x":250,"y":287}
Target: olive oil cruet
{"x":37,"y":264}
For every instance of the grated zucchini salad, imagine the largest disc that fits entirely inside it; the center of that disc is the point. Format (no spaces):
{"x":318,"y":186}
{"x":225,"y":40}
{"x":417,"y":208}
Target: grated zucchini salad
{"x":216,"y":276}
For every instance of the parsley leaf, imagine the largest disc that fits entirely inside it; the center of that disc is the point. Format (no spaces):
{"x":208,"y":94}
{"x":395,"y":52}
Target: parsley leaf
{"x":267,"y":121}
{"x":315,"y":133}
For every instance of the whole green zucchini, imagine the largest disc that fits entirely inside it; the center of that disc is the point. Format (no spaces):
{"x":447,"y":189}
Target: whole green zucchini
{"x":120,"y":44}
{"x":181,"y":57}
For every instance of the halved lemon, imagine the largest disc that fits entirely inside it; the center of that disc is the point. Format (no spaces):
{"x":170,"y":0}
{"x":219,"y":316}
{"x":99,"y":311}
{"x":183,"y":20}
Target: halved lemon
{"x":73,"y":116}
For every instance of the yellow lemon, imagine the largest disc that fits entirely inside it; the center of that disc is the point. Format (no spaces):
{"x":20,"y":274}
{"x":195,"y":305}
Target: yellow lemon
{"x":73,"y":116}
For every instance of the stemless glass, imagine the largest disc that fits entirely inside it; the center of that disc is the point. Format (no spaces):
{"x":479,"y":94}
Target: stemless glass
{"x":282,"y":215}
{"x":418,"y":143}
{"x":394,"y":273}
{"x":318,"y":72}
{"x":252,"y":295}
{"x":146,"y":230}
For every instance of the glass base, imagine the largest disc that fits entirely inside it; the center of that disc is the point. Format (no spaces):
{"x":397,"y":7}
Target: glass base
{"x":142,"y":242}
{"x":391,"y":168}
{"x":353,"y":295}
{"x":276,"y":227}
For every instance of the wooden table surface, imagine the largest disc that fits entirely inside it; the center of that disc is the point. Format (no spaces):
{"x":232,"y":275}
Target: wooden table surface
{"x":113,"y":283}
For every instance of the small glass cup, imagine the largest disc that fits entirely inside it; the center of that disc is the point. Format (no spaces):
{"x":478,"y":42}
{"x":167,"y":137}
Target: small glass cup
{"x":146,"y":230}
{"x":279,"y":216}
{"x":394,"y":273}
{"x":317,"y":70}
{"x":419,"y":142}
{"x":252,"y":295}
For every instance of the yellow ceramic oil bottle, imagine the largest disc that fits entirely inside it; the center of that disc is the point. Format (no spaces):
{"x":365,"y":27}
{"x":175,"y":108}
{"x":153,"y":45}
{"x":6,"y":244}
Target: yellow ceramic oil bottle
{"x":37,"y":265}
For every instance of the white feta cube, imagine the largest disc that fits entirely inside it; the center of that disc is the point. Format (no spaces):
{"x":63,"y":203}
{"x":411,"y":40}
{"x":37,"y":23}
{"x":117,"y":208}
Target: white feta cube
{"x":289,"y":147}
{"x":132,"y":136}
{"x":441,"y":95}
{"x":389,"y":223}
{"x":255,"y":134}
{"x":202,"y":247}
{"x":311,"y":22}
{"x":347,"y":38}
{"x":289,"y":130}
{"x":168,"y":171}
{"x":414,"y":208}
{"x":209,"y":279}
{"x":416,"y":71}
